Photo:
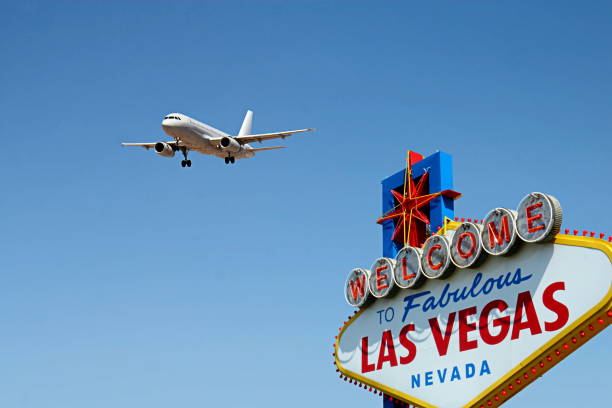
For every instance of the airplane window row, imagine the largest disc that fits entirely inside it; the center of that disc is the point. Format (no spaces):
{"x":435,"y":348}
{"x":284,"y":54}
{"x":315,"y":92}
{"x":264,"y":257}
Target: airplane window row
{"x":172,"y":117}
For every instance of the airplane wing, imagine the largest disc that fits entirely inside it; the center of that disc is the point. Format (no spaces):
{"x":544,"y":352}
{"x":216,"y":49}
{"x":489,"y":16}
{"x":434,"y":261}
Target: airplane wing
{"x":261,"y":149}
{"x":148,"y":145}
{"x":261,"y":137}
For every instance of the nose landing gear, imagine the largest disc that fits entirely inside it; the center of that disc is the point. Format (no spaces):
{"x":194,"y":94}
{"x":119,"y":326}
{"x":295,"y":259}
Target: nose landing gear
{"x":230,"y":159}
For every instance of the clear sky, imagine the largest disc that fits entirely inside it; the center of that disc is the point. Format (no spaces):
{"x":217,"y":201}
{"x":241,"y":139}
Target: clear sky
{"x":128,"y":281}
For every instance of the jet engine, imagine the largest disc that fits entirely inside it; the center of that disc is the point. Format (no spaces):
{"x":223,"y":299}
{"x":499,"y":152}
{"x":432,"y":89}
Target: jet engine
{"x":229,"y":144}
{"x":164,"y":149}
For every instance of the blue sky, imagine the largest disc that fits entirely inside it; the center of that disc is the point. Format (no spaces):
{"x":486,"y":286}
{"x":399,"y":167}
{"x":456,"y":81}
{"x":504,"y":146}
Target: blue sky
{"x":127,"y":280}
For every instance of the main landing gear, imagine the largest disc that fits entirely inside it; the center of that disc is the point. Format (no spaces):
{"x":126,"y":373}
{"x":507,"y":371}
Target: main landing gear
{"x":230,"y":159}
{"x":185,"y":162}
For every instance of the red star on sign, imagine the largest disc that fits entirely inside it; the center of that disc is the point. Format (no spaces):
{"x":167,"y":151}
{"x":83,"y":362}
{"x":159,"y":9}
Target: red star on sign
{"x":409,"y":220}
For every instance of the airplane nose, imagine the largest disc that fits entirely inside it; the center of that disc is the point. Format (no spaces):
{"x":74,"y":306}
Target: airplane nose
{"x":169,"y":124}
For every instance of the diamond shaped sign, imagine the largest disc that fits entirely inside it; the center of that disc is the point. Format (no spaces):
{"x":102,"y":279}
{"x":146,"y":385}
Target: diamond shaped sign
{"x":448,"y":334}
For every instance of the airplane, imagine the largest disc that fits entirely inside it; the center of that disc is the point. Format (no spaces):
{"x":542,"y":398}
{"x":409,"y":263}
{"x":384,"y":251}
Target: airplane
{"x":189,"y":134}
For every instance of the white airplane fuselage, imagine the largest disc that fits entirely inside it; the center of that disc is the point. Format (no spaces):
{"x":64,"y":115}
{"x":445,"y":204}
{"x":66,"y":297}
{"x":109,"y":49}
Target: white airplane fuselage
{"x":196,"y":136}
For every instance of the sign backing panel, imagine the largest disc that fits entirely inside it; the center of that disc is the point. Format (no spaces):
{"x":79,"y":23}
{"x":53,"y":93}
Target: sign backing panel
{"x":459,"y":361}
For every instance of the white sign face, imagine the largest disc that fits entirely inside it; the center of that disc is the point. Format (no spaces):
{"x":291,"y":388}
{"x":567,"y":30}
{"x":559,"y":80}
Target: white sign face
{"x":451,"y":342}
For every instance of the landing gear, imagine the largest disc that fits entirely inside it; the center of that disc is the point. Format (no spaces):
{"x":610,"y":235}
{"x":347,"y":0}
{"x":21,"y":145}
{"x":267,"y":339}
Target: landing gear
{"x":185,"y":162}
{"x":230,"y":159}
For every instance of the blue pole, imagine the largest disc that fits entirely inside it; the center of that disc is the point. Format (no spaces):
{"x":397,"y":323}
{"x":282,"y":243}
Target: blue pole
{"x":440,"y":168}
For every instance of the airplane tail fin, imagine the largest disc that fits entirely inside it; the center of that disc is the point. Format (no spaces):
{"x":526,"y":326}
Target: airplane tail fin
{"x":247,"y":124}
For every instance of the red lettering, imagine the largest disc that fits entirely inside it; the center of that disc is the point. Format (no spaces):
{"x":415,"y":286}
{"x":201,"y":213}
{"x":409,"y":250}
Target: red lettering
{"x":387,"y":350}
{"x":524,"y":302}
{"x":380,"y":278}
{"x":496,"y":237}
{"x":357,"y":287}
{"x":442,"y":340}
{"x":465,"y":328}
{"x":462,"y":254}
{"x":502,"y":322}
{"x":405,"y":276}
{"x":365,"y":366}
{"x":555,"y":306}
{"x":531,"y":218}
{"x":408,"y":345}
{"x":431,"y":264}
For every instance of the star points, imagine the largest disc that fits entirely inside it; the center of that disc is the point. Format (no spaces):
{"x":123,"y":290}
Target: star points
{"x":409,"y":218}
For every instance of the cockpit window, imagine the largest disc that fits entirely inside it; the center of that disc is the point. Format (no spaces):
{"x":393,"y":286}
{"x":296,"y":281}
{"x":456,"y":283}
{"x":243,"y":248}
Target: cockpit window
{"x":172,"y":117}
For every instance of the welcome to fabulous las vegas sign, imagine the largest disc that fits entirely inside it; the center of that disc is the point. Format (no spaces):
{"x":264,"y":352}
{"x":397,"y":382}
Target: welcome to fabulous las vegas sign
{"x":478,"y":311}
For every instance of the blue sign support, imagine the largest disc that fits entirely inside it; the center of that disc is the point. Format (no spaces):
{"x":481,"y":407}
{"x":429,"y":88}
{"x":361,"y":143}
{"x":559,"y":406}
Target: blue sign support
{"x":440,"y":168}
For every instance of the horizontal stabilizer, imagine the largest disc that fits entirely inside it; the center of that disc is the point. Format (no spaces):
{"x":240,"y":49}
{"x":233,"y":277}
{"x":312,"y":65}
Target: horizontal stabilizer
{"x":268,"y":148}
